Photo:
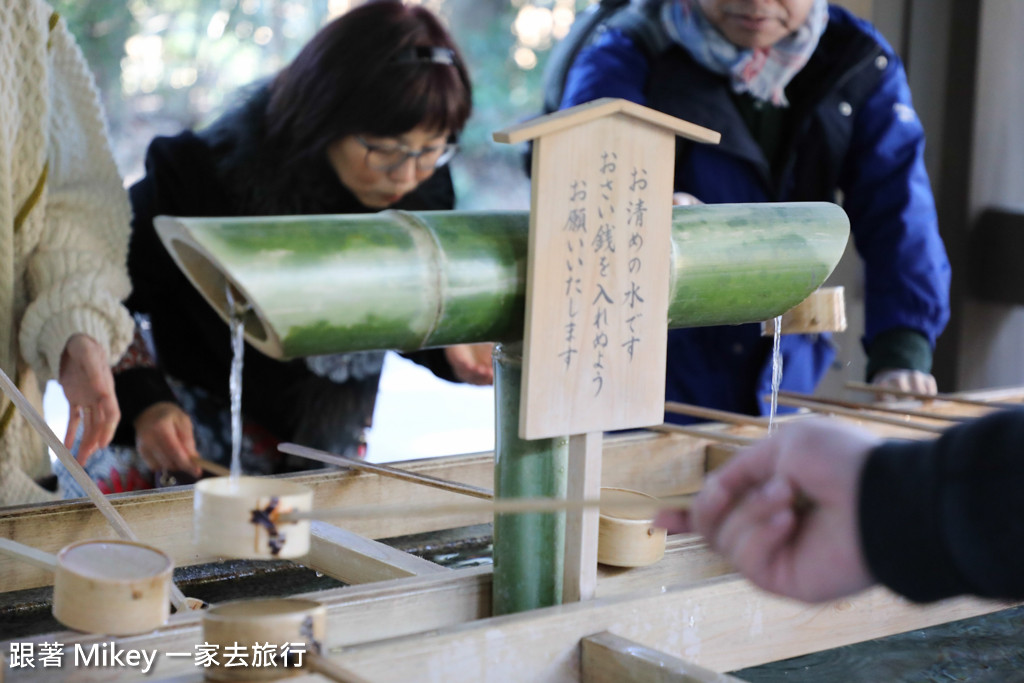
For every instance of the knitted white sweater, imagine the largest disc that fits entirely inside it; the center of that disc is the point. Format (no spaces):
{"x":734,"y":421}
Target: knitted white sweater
{"x":64,"y":224}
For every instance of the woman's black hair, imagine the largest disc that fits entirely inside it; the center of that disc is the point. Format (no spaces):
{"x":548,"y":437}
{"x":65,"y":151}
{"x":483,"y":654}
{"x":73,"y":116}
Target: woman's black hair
{"x":380,"y":69}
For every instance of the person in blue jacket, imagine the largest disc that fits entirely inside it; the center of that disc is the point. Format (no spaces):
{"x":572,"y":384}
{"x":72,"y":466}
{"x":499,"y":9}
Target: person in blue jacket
{"x":812,"y":103}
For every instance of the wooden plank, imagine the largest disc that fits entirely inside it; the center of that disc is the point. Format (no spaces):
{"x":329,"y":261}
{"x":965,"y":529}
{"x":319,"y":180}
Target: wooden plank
{"x":718,"y":454}
{"x":657,"y":463}
{"x":402,"y":607}
{"x":608,"y":658}
{"x":823,"y":311}
{"x":722,"y":624}
{"x":434,"y":628}
{"x":579,"y":579}
{"x":355,"y":559}
{"x":355,"y":614}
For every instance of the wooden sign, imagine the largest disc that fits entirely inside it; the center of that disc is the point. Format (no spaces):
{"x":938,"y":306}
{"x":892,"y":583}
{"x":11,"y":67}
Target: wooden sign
{"x":598,"y":267}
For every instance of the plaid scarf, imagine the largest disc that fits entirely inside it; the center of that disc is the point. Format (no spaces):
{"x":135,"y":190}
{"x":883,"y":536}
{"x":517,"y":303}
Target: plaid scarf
{"x":764,"y":73}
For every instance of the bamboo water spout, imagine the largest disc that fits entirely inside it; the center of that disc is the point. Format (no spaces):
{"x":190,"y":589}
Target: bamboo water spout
{"x":398,"y":280}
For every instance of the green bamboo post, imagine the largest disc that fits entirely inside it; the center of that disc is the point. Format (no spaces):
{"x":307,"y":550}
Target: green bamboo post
{"x":529,"y":549}
{"x":407,"y":281}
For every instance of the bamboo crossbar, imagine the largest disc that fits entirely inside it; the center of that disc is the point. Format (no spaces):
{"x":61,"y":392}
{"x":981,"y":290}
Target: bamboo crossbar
{"x":863,"y":386}
{"x":714,"y":414}
{"x":856,"y":405}
{"x":385,"y":470}
{"x":501,"y":506}
{"x":723,"y":437}
{"x":820,"y":407}
{"x":117,"y":522}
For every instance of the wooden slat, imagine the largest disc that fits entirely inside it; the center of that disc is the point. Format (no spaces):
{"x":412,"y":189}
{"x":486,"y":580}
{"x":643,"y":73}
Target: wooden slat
{"x":354,"y":559}
{"x":579,"y":580}
{"x":608,"y":658}
{"x":722,"y":624}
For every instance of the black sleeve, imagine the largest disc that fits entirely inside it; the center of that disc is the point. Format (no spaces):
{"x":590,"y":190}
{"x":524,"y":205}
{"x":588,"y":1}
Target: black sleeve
{"x":191,"y":340}
{"x":946,"y":517}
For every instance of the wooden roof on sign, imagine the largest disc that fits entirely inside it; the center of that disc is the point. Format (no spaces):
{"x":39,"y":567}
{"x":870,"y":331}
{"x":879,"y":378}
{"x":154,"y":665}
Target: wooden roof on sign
{"x":606,"y":106}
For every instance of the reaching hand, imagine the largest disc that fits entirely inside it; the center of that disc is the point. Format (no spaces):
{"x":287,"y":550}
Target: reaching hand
{"x":88,"y":386}
{"x":904,"y":380}
{"x":164,"y":439}
{"x":472,"y":363}
{"x":784,"y":511}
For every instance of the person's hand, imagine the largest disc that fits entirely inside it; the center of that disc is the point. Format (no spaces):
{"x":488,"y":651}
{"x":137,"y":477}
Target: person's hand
{"x":784,"y":511}
{"x":684,"y":199}
{"x":164,"y":439}
{"x":88,"y":384}
{"x":472,"y":362}
{"x":904,"y":380}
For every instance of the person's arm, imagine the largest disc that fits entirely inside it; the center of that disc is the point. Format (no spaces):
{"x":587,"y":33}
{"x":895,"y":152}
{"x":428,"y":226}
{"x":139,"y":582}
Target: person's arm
{"x":74,"y":324}
{"x":611,"y":67}
{"x":946,"y":517}
{"x":888,"y":197}
{"x":822,"y":509}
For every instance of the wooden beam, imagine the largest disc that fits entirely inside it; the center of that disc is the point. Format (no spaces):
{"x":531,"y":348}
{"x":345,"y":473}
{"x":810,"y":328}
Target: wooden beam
{"x":722,"y":624}
{"x":659,"y":463}
{"x":355,"y":559}
{"x":608,"y":658}
{"x":437,"y":626}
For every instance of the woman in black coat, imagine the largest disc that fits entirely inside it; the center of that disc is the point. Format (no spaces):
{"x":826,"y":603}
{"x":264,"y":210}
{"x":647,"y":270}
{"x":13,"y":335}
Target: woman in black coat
{"x":365,"y":118}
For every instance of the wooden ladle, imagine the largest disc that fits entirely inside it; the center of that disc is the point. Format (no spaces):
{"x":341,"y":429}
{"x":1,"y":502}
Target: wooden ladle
{"x":105,"y":586}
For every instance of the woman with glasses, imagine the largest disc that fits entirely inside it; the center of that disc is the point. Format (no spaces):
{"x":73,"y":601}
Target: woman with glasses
{"x":365,"y":118}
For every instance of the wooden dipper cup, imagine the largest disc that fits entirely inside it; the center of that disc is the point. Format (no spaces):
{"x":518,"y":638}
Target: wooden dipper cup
{"x":238,"y":517}
{"x":292,"y":627}
{"x":626,"y":535}
{"x":113,"y":587}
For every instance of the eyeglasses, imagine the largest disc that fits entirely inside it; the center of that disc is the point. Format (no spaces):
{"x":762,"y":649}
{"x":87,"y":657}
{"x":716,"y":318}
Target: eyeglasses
{"x":389,"y":157}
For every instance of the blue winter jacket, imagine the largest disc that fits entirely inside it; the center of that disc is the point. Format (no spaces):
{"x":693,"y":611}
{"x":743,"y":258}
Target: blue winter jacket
{"x":851,"y":128}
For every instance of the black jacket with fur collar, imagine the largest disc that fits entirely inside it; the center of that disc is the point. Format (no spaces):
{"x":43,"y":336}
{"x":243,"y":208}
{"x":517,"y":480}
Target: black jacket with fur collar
{"x":225,"y":171}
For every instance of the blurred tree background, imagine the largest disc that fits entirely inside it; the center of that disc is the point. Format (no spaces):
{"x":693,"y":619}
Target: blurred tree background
{"x":166,"y":65}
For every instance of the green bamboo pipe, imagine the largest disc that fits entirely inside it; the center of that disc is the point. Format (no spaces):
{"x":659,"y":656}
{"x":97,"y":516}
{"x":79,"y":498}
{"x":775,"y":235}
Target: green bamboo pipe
{"x":404,"y":281}
{"x":529,"y":549}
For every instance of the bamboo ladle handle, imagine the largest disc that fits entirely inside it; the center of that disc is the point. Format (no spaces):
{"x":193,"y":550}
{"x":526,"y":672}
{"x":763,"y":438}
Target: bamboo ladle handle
{"x":500,"y":506}
{"x":27,"y":553}
{"x":384,"y":470}
{"x":121,"y":527}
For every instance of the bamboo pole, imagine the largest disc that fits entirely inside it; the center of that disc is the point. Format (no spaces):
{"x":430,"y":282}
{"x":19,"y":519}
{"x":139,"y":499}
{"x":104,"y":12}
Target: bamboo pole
{"x":117,"y":522}
{"x":819,"y":407}
{"x":855,"y":405}
{"x":449,"y":277}
{"x":723,"y":437}
{"x":384,"y":470}
{"x":875,"y":389}
{"x":529,"y":550}
{"x":715,"y":414}
{"x":501,"y":506}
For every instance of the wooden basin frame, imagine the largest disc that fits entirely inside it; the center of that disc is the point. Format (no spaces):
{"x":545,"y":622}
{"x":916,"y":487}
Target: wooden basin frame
{"x":405,"y":618}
